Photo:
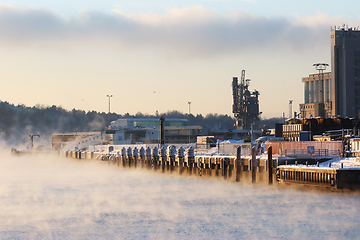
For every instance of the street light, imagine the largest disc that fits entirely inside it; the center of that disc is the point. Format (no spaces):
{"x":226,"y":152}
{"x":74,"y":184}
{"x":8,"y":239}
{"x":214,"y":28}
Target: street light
{"x":109,"y":96}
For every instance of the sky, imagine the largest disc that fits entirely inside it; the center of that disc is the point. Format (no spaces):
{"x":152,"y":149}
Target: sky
{"x":159,"y":55}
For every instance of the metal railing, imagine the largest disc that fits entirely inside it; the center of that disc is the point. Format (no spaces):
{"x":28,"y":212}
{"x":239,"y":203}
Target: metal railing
{"x":316,"y":152}
{"x":223,"y":148}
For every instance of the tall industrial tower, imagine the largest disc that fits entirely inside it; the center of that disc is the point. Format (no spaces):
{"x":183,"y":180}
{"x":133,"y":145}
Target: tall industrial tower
{"x":246,"y":104}
{"x":345,"y":71}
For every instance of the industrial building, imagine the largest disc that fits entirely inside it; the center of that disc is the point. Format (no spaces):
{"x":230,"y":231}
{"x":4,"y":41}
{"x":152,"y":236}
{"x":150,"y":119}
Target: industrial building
{"x":294,"y":128}
{"x":314,"y":105}
{"x":61,"y":141}
{"x":336,"y":94}
{"x":147,"y":130}
{"x":129,"y":131}
{"x":245,"y":104}
{"x":345,"y":68}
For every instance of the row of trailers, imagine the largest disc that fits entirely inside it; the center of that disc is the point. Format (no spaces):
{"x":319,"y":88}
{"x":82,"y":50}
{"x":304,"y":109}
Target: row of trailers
{"x":247,"y":169}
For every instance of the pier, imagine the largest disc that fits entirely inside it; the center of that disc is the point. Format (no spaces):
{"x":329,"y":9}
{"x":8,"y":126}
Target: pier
{"x":263,"y":169}
{"x":253,"y":169}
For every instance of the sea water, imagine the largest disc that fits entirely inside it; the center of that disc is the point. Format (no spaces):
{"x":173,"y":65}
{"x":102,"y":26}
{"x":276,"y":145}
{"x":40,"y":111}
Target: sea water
{"x":49,"y":197}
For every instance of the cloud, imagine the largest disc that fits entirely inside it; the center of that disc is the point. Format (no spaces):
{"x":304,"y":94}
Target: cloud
{"x":19,"y":25}
{"x":253,"y":1}
{"x":174,"y":17}
{"x":194,"y":31}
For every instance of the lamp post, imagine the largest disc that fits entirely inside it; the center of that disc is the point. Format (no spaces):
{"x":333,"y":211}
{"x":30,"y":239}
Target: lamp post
{"x":109,"y":96}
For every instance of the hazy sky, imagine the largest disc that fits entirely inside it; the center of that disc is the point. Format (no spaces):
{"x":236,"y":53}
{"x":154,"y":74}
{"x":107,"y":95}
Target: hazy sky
{"x":159,"y":55}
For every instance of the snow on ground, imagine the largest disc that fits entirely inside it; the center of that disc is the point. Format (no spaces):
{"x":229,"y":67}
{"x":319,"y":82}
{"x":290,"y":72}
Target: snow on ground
{"x":337,"y":162}
{"x":230,"y":141}
{"x":348,"y":163}
{"x":209,"y":152}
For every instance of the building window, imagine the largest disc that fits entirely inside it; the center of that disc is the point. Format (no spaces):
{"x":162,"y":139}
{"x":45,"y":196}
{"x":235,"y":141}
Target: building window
{"x":357,"y":73}
{"x":356,"y":59}
{"x":357,"y":54}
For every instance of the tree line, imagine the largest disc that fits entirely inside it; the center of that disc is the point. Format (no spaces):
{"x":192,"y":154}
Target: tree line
{"x":18,"y":122}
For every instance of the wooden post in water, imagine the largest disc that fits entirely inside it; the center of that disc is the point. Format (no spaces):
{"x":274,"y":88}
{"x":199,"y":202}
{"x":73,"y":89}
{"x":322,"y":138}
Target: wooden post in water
{"x":238,"y":164}
{"x":171,"y":163}
{"x":181,"y":155}
{"x":163,"y":163}
{"x":180,"y":164}
{"x":253,"y":167}
{"x":270,"y":165}
{"x":222,"y":167}
{"x":217,"y":166}
{"x":142,"y":157}
{"x":135,"y":155}
{"x":226,"y":164}
{"x":199,"y":166}
{"x":123,"y":156}
{"x":190,"y":162}
{"x":129,"y":155}
{"x":171,"y":156}
{"x":209,"y":167}
{"x":163,"y":158}
{"x":148,"y":157}
{"x":155,"y":155}
{"x":230,"y":168}
{"x":204,"y":166}
{"x":190,"y":159}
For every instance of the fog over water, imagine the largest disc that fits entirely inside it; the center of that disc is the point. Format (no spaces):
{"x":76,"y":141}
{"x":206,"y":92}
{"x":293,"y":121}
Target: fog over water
{"x":58,"y":198}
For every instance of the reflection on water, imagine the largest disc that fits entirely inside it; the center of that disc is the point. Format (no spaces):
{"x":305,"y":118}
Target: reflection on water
{"x":53,"y":198}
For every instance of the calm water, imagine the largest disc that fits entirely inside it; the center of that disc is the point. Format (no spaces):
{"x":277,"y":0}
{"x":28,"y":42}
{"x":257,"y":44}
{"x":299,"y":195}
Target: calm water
{"x":57,"y":198}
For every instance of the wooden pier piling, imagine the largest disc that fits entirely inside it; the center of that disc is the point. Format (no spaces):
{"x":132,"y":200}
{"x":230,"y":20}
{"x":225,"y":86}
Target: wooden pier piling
{"x":270,"y":165}
{"x":238,"y":164}
{"x":253,"y":165}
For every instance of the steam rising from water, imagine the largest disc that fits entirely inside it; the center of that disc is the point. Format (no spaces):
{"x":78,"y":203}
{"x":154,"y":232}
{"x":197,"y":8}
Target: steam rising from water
{"x":57,"y":198}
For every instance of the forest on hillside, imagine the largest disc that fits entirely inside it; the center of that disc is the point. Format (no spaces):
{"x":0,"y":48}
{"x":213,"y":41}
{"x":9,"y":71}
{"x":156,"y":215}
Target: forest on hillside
{"x":18,"y":122}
